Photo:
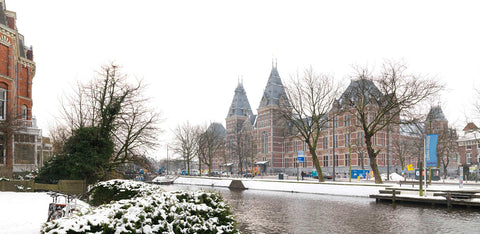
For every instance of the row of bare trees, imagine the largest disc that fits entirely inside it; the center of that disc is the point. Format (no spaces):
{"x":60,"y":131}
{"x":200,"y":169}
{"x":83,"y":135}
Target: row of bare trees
{"x":390,"y":97}
{"x":204,"y":143}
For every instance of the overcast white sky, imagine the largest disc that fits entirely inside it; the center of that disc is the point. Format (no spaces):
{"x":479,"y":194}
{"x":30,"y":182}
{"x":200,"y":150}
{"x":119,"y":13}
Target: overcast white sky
{"x":192,"y":52}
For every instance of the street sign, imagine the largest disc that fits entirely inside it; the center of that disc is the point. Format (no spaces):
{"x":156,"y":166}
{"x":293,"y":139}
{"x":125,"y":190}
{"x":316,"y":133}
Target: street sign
{"x":410,"y":167}
{"x":301,"y":156}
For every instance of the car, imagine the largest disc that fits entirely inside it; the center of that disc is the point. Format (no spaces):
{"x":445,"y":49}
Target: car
{"x":325,"y":176}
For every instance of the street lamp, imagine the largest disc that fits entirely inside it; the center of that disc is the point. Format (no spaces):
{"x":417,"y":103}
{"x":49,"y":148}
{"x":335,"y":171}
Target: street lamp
{"x":167,"y":162}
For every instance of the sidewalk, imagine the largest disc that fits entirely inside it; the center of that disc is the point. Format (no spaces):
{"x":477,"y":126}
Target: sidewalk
{"x":339,"y":187}
{"x":311,"y":186}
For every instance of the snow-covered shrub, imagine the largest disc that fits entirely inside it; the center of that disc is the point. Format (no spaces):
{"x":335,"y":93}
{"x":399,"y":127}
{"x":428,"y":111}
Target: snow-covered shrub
{"x":168,"y":212}
{"x":22,"y":188}
{"x":115,"y":190}
{"x":4,"y":179}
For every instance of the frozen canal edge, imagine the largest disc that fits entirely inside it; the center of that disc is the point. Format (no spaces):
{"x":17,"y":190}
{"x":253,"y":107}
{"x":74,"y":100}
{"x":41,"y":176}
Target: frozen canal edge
{"x":338,"y":189}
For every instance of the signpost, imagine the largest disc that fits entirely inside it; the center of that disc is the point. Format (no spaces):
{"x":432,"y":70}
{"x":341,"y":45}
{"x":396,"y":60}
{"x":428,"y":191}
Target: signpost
{"x":300,"y":159}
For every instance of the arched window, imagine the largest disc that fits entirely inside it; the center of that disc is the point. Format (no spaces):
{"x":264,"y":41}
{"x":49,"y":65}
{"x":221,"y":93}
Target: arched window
{"x":24,"y":112}
{"x":264,"y":142}
{"x":3,"y":103}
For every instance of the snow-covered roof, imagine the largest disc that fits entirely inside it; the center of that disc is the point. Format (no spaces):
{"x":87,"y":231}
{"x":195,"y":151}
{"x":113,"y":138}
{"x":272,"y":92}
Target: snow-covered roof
{"x":261,"y":163}
{"x":469,"y":136}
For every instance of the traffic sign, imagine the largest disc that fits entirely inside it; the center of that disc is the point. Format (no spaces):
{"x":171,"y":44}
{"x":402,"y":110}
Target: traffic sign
{"x":301,"y":156}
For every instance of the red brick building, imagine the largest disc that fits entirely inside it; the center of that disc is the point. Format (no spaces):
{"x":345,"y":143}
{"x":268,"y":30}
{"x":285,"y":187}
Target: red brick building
{"x":266,"y":143}
{"x":469,"y":146}
{"x":20,"y":138}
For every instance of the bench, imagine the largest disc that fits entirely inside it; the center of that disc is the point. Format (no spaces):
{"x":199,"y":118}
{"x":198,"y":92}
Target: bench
{"x":458,"y":195}
{"x":407,"y":182}
{"x":388,"y":191}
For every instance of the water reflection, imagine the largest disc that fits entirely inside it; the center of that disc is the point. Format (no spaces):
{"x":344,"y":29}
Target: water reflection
{"x":278,"y":212}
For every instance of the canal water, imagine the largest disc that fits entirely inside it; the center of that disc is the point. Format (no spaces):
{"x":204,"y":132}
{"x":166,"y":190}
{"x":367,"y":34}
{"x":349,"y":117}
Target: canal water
{"x":281,"y":212}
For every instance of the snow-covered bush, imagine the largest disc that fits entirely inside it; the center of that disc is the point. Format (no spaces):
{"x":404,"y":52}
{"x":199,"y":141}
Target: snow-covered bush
{"x":115,"y":190}
{"x":151,"y":211}
{"x":4,"y":179}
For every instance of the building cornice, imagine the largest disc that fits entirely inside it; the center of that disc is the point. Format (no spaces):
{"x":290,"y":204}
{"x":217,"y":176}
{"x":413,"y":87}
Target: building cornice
{"x":7,"y":31}
{"x":28,"y":63}
{"x":25,"y":98}
{"x":6,"y":77}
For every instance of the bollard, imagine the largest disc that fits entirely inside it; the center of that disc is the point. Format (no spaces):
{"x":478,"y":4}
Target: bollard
{"x":449,"y":200}
{"x":393,"y":196}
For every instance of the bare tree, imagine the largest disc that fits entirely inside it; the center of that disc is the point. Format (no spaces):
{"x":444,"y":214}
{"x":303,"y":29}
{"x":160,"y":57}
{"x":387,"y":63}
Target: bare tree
{"x":119,"y":109}
{"x":185,"y":142}
{"x":211,"y":143}
{"x":447,"y":147}
{"x":410,"y":143}
{"x":309,"y":99}
{"x":248,"y":148}
{"x":11,"y":124}
{"x":387,"y":99}
{"x":59,"y":134}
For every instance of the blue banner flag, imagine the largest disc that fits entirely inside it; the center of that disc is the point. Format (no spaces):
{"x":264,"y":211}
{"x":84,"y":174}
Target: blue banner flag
{"x":431,"y":150}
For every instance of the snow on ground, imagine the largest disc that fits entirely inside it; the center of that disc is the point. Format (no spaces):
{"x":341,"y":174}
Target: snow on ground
{"x":393,"y":177}
{"x":23,"y":212}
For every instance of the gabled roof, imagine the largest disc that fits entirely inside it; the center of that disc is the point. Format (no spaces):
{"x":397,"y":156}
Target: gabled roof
{"x":470,"y":127}
{"x":217,"y":128}
{"x":273,"y":91}
{"x":360,"y":88}
{"x":240,"y":105}
{"x":435,"y":114}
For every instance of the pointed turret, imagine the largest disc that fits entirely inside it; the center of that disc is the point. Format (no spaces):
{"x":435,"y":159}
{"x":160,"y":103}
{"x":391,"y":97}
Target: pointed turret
{"x":436,"y":114}
{"x":240,"y":105}
{"x":274,"y":90}
{"x":435,"y":121}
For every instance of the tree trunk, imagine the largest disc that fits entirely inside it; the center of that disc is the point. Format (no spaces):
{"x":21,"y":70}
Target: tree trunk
{"x":373,"y":160}
{"x":316,"y":164}
{"x":200,"y":165}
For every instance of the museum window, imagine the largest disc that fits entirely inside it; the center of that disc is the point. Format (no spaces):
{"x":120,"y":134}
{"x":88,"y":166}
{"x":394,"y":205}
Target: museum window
{"x":24,"y":112}
{"x":3,"y":103}
{"x":264,"y":142}
{"x":2,"y":151}
{"x":347,"y":120}
{"x":360,"y":138}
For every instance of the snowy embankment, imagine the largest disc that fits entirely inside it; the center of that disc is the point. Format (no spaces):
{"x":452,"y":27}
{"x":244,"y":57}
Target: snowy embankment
{"x":326,"y":188}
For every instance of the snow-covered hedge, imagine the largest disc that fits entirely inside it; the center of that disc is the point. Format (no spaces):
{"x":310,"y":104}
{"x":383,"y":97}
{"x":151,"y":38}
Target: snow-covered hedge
{"x":157,"y":212}
{"x":115,"y":190}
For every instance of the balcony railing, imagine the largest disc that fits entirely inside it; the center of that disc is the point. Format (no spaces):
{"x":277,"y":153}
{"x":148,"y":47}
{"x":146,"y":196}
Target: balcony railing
{"x":26,"y":123}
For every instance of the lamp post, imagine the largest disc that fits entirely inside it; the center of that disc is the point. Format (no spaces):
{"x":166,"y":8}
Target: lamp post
{"x":167,"y":162}
{"x":334,"y":158}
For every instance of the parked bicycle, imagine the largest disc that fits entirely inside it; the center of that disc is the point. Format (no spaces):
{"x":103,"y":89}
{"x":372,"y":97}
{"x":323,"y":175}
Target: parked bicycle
{"x":57,"y":209}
